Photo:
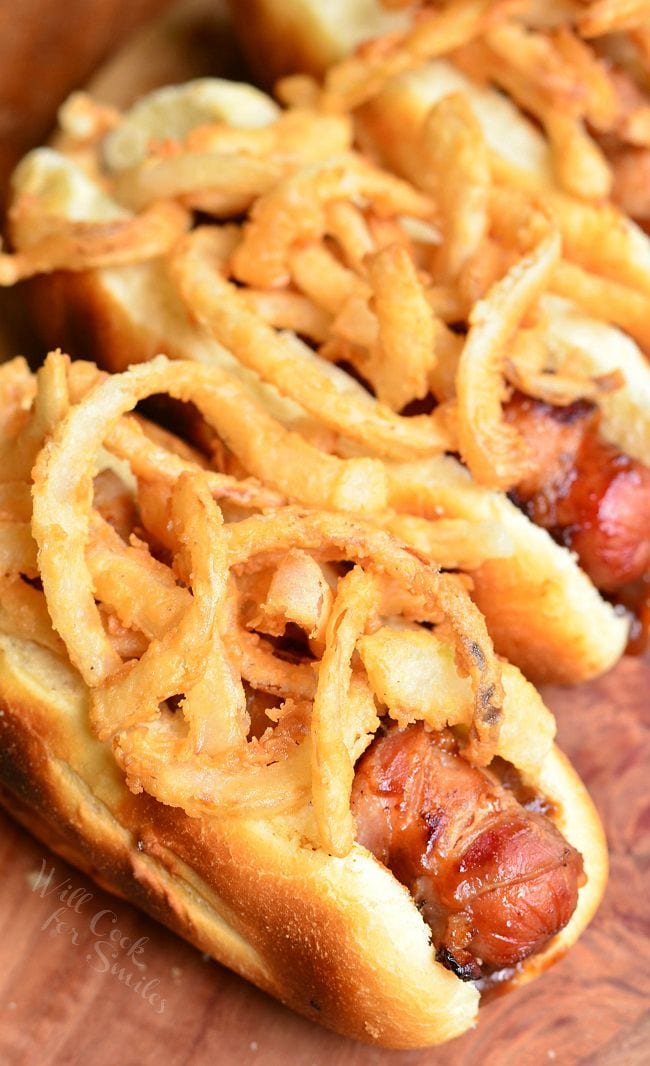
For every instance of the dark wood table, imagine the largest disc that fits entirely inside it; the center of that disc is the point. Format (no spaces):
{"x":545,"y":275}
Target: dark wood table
{"x":61,"y":1004}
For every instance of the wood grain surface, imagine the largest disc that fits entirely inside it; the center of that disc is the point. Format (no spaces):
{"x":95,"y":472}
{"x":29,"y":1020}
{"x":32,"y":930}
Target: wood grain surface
{"x":70,"y":996}
{"x":65,"y":1001}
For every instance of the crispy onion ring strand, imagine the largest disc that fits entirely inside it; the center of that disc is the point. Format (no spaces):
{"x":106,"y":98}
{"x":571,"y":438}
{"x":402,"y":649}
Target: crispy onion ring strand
{"x":293,"y":212}
{"x":50,"y":406}
{"x":89,"y":245}
{"x":295,"y":371}
{"x":152,"y":461}
{"x":151,"y":760}
{"x":494,"y":451}
{"x":332,"y":766}
{"x":141,"y":591}
{"x":144,"y":595}
{"x":174,"y":663}
{"x":215,"y":706}
{"x":355,"y":79}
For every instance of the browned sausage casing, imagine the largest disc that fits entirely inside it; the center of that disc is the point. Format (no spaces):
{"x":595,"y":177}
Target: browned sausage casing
{"x":591,"y":497}
{"x":494,"y":880}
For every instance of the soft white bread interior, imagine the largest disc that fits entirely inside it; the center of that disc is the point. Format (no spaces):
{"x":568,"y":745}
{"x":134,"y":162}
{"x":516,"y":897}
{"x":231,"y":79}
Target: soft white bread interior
{"x":544,"y":613}
{"x":339,"y":940}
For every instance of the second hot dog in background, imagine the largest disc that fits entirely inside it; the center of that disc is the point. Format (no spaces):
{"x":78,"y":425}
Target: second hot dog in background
{"x":544,"y":608}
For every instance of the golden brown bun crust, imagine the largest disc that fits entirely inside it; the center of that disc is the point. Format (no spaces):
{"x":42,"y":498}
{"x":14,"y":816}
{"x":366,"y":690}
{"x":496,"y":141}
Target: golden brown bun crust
{"x":288,"y":36}
{"x":295,"y":922}
{"x":276,"y":31}
{"x":573,"y":635}
{"x":75,"y":312}
{"x":338,"y":940}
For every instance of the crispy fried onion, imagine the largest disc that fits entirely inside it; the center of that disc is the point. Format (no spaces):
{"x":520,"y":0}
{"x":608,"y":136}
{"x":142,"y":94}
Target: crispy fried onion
{"x":158,"y":760}
{"x":295,"y":211}
{"x":403,"y":354}
{"x":173,"y":663}
{"x":221,"y":170}
{"x":282,"y":460}
{"x":200,"y":645}
{"x":493,"y":450}
{"x":356,"y":79}
{"x":17,"y":391}
{"x":459,"y":174}
{"x":63,"y":477}
{"x":525,"y":368}
{"x":283,"y":360}
{"x":145,"y":596}
{"x":87,"y":245}
{"x":331,"y":537}
{"x":50,"y":406}
{"x":607,"y":16}
{"x":59,"y":381}
{"x":299,"y":593}
{"x":357,"y":599}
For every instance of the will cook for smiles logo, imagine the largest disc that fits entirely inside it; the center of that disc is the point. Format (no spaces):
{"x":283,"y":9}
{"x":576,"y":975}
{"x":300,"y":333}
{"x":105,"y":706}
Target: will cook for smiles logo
{"x":111,"y":951}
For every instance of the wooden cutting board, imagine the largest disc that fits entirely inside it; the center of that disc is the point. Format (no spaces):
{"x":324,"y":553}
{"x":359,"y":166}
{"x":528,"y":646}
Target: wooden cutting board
{"x":65,"y":1001}
{"x":69,"y":995}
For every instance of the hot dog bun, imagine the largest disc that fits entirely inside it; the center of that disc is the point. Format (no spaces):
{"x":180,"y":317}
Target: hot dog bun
{"x":338,"y":940}
{"x":305,"y":35}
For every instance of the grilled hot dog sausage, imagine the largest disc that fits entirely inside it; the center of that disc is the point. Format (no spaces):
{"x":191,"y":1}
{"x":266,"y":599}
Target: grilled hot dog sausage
{"x":494,"y":880}
{"x":591,"y":497}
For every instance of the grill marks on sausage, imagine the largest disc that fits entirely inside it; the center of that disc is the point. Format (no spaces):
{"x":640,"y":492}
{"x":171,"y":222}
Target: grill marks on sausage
{"x":591,"y":497}
{"x":494,"y":880}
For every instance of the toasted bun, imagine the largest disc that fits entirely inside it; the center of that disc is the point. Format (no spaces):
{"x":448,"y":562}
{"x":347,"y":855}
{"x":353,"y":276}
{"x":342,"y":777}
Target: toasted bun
{"x":545,"y":615}
{"x":339,"y":940}
{"x":305,"y":35}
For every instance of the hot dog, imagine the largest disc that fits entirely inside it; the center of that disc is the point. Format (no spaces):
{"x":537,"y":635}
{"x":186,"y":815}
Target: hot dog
{"x":593,"y":497}
{"x":208,"y":729}
{"x":126,"y":313}
{"x":493,"y":880}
